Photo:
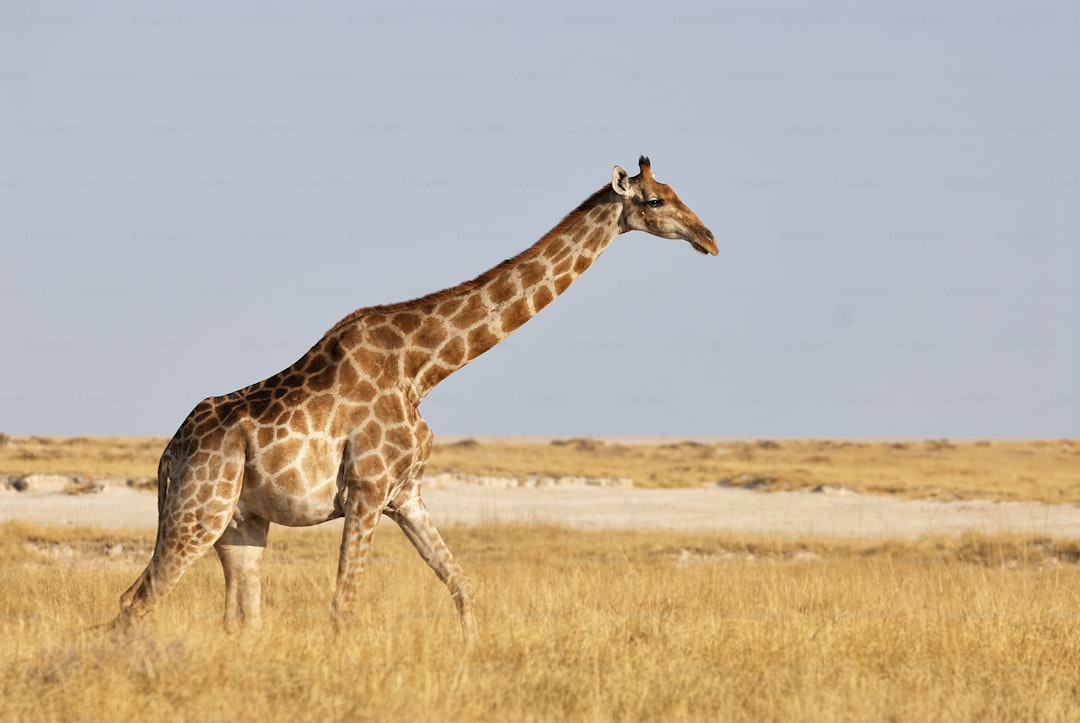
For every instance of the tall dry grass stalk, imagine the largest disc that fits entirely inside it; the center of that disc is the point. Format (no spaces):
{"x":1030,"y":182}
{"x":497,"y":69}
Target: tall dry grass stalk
{"x":575,"y":625}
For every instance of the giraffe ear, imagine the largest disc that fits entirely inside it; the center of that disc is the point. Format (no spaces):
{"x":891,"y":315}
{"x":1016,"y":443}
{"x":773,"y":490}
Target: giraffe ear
{"x":620,"y":181}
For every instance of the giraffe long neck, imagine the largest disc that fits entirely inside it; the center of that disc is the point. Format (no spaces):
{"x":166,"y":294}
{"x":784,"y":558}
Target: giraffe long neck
{"x":438,"y":334}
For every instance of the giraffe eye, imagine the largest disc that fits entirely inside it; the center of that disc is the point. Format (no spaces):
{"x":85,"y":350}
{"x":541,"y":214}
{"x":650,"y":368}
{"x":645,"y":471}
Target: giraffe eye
{"x":655,"y":202}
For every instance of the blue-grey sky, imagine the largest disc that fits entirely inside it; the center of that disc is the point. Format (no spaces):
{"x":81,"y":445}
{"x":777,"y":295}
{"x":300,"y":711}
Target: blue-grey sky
{"x":191,"y":193}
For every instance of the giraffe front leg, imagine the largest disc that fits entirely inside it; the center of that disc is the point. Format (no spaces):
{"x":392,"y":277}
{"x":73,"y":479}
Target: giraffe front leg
{"x":412,"y":516}
{"x":362,"y":511}
{"x":240,"y":550}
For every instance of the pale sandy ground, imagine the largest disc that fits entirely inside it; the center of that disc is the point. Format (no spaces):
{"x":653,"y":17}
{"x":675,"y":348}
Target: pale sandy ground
{"x":846,"y":515}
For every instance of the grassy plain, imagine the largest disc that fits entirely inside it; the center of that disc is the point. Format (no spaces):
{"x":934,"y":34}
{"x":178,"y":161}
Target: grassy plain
{"x":575,"y":626}
{"x":1038,"y":470}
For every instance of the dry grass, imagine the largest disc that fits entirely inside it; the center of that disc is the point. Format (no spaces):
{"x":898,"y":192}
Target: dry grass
{"x":1005,"y":470}
{"x":93,"y":457}
{"x":576,"y":626}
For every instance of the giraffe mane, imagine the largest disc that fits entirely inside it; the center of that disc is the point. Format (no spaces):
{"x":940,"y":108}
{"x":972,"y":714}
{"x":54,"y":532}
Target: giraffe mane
{"x":466,"y":286}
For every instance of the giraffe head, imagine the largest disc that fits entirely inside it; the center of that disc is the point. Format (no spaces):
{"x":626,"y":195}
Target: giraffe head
{"x":653,"y":207}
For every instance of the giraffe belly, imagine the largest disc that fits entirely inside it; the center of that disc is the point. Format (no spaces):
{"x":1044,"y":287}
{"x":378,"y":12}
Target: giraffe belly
{"x":284,"y":504}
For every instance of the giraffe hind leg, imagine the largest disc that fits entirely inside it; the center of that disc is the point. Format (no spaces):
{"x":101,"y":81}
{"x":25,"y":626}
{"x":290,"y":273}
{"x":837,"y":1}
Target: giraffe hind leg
{"x":186,"y":531}
{"x":240,"y":550}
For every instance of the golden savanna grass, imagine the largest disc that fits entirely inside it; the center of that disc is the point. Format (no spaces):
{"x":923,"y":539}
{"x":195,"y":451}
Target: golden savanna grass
{"x":1039,"y":470}
{"x":575,"y":626}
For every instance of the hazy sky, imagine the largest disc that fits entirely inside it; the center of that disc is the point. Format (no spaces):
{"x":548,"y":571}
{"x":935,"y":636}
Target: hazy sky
{"x":192,"y":193}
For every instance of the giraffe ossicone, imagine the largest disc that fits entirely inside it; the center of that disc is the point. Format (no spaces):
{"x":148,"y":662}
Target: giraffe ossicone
{"x":339,"y":434}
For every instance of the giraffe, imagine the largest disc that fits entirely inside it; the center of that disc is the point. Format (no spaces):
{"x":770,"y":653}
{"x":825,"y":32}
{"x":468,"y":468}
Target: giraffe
{"x":338,"y":433}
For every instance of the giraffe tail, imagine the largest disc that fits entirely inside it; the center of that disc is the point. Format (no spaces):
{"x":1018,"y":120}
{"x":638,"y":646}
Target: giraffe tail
{"x":141,"y":587}
{"x":164,"y":467}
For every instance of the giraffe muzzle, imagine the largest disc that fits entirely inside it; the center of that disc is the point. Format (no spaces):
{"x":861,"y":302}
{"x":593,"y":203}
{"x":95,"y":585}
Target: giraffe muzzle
{"x":704,"y":242}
